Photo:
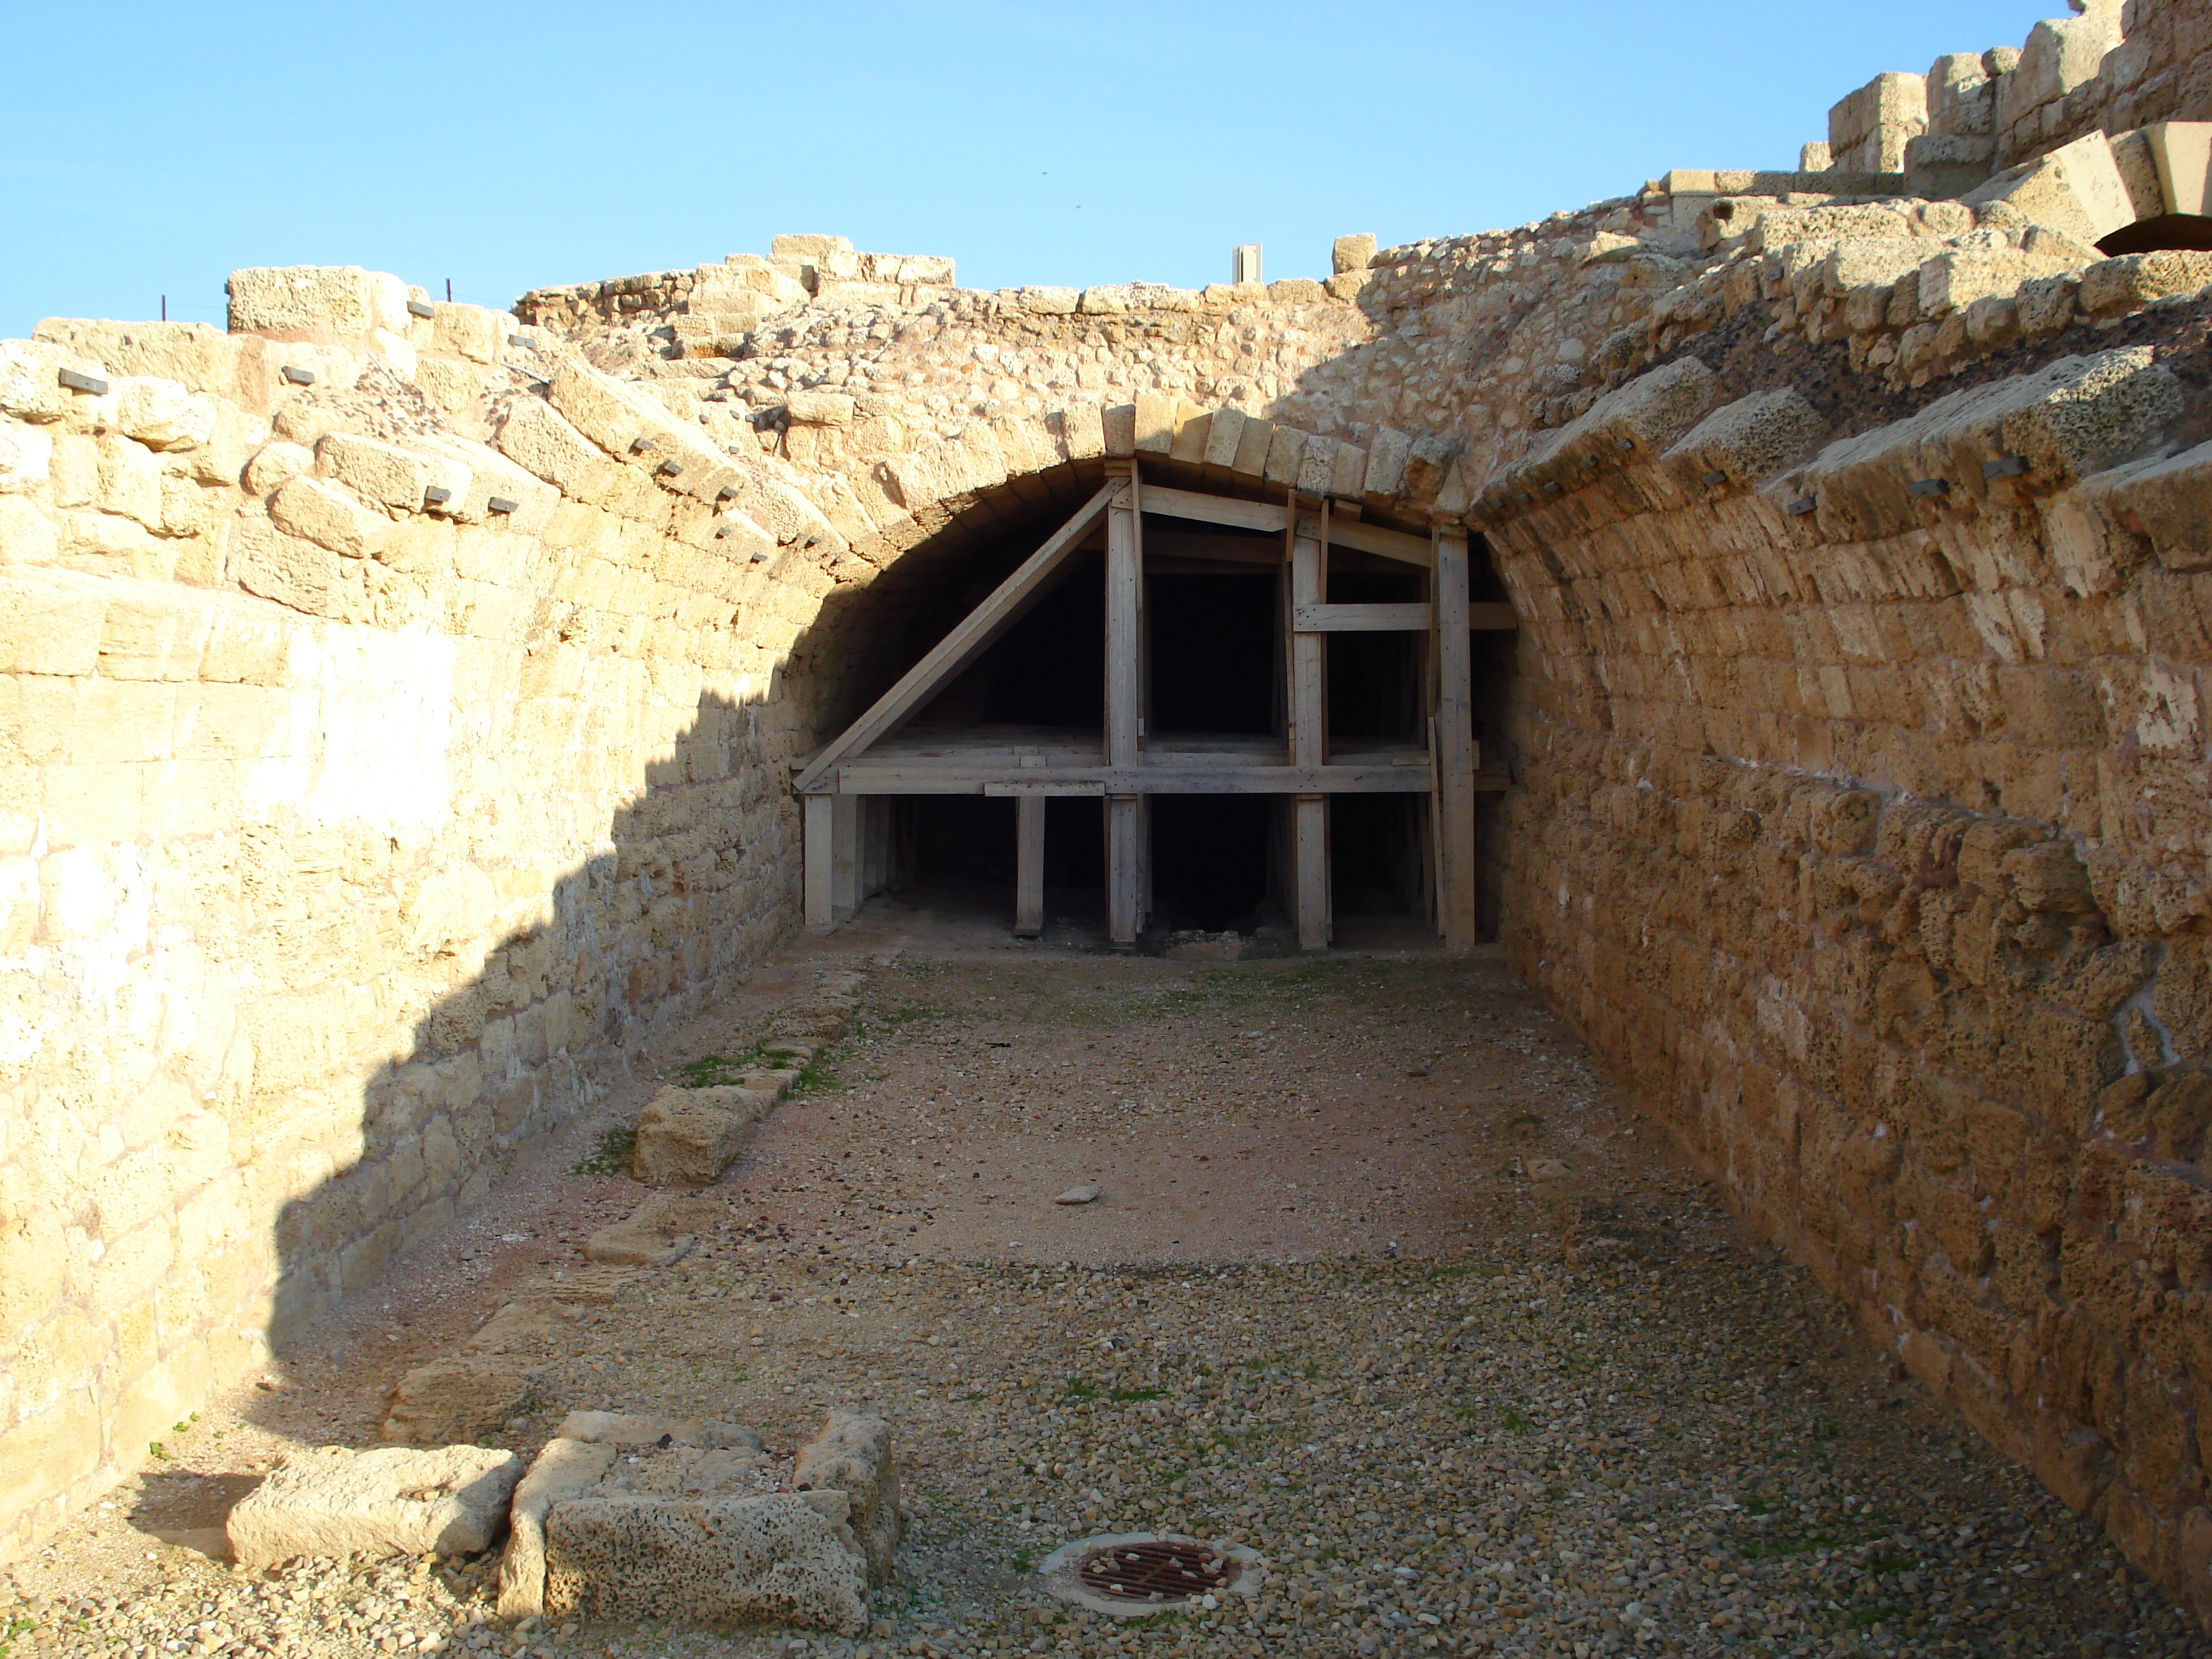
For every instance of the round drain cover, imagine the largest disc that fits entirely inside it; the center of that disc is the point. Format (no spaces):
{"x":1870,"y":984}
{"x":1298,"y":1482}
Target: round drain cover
{"x":1131,"y":1574}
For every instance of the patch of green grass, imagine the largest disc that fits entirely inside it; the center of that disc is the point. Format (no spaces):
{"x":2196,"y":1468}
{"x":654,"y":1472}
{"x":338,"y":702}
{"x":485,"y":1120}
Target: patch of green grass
{"x":1513,"y":1422}
{"x":1080,"y":1388}
{"x":12,"y":1628}
{"x":725,"y":1070}
{"x":611,"y":1156}
{"x":817,"y":1080}
{"x":1759,"y":1506}
{"x":1123,"y":1397}
{"x":156,"y":1449}
{"x":1024,"y":1562}
{"x":1889,"y":1562}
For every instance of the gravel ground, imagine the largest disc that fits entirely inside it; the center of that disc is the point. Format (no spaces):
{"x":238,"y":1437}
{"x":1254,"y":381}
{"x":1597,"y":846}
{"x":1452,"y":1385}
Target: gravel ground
{"x":1496,"y":1376}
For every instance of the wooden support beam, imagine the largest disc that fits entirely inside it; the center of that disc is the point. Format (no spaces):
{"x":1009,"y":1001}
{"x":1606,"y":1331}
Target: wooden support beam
{"x":845,"y":856}
{"x":1212,"y":510}
{"x":1128,"y":821}
{"x":1128,"y":824}
{"x":1006,"y":607}
{"x":865,"y":777}
{"x":1415,"y":618}
{"x":1369,"y":539}
{"x":1454,"y":811}
{"x":1308,"y":734}
{"x":1310,"y":861}
{"x":820,"y":855}
{"x":1125,"y":624}
{"x":1269,"y":515}
{"x":1029,"y":866}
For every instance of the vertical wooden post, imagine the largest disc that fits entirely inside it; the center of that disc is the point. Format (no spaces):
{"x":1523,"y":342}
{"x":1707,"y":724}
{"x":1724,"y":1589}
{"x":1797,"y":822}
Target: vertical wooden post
{"x":845,"y":856}
{"x":1308,"y":738}
{"x":1126,"y":821}
{"x":1029,"y":866}
{"x":1453,"y":814}
{"x":1309,"y":859}
{"x":819,"y":855}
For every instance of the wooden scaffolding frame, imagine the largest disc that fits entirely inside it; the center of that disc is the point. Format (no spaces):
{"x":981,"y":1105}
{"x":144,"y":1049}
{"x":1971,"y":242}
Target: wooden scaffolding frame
{"x":1126,"y":768}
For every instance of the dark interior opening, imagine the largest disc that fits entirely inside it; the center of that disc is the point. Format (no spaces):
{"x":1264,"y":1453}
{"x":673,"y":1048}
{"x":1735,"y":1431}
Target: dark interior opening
{"x":1212,"y":652}
{"x":1375,"y":862}
{"x":1375,"y":679}
{"x":1048,"y":669}
{"x":1209,"y":860}
{"x":2167,"y":230}
{"x":961,"y":839}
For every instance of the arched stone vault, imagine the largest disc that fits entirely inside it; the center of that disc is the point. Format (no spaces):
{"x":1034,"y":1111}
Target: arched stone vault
{"x":1855,"y":726}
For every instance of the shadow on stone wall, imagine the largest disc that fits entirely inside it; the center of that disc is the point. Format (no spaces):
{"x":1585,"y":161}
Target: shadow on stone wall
{"x":696,"y":878}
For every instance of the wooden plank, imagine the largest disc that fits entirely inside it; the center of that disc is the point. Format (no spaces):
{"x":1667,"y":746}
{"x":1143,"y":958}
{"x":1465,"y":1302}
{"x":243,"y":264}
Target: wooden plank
{"x":1415,"y":618}
{"x":1126,"y":821}
{"x":1006,"y":607}
{"x":1309,"y":858}
{"x":1371,"y":538}
{"x":1125,"y":622}
{"x":1308,"y":688}
{"x":1268,"y":515}
{"x":819,"y":855}
{"x":1453,"y":813}
{"x":865,"y":777}
{"x":1212,"y":510}
{"x":1492,"y":616}
{"x":845,"y":856}
{"x":1029,"y":866}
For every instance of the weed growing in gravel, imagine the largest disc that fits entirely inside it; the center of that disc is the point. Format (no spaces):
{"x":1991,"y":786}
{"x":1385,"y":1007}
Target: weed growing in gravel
{"x":1123,"y":1397}
{"x":12,"y":1628}
{"x":1080,"y":1388}
{"x":611,"y":1155}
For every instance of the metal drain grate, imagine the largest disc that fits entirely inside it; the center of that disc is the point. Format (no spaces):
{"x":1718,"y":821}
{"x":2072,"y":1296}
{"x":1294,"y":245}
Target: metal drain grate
{"x":1154,"y":1572}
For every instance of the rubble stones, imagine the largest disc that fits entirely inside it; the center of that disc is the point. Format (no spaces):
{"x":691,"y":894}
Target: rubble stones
{"x":335,"y":1503}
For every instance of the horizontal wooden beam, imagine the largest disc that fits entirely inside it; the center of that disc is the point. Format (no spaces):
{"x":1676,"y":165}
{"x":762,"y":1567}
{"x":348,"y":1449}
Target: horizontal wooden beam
{"x":1394,"y":618}
{"x":870,"y":778}
{"x":1361,"y":618}
{"x":1210,"y":509}
{"x":1272,"y":515}
{"x":1369,"y":538}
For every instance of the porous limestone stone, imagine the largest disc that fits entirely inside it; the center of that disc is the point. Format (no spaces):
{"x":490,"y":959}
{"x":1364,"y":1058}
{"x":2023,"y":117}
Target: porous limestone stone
{"x":687,"y":1137}
{"x":660,"y":1233}
{"x":853,"y":1454}
{"x":684,"y":1522}
{"x":388,"y":1500}
{"x":495,"y":1378}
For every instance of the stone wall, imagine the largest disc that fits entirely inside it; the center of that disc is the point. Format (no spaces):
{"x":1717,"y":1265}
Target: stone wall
{"x":400,"y":698}
{"x":1862,"y":826}
{"x":372,"y":802}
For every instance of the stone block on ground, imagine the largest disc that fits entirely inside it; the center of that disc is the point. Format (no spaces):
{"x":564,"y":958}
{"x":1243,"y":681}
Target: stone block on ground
{"x":389,"y":1500}
{"x":688,"y":1137}
{"x":689,"y":1523}
{"x":853,"y":1454}
{"x":660,"y":1232}
{"x":495,"y":1378}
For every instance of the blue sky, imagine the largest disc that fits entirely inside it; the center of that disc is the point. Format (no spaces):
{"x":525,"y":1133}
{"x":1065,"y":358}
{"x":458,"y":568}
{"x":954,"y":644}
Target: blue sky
{"x":150,"y":150}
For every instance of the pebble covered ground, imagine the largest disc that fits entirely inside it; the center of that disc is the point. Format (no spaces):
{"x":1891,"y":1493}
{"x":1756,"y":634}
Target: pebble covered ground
{"x":1497,"y":1375}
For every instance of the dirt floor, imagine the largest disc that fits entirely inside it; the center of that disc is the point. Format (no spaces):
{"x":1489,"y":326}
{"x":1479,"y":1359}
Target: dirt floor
{"x":1382,"y":1280}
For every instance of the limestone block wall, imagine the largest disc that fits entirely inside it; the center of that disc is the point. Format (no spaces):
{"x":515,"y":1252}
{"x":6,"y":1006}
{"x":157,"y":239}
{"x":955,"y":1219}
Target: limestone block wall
{"x":1862,"y":825}
{"x":370,"y":802}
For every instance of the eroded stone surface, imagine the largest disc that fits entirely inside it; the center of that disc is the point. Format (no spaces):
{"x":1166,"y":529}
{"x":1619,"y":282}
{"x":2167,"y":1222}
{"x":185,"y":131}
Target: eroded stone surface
{"x":389,"y":1500}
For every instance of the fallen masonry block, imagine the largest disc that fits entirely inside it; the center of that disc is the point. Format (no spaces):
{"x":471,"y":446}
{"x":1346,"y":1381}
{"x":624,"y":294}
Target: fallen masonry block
{"x":495,"y":1378}
{"x":853,"y":1454}
{"x":694,"y":1524}
{"x":687,"y":1137}
{"x":660,"y":1233}
{"x":389,"y":1500}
